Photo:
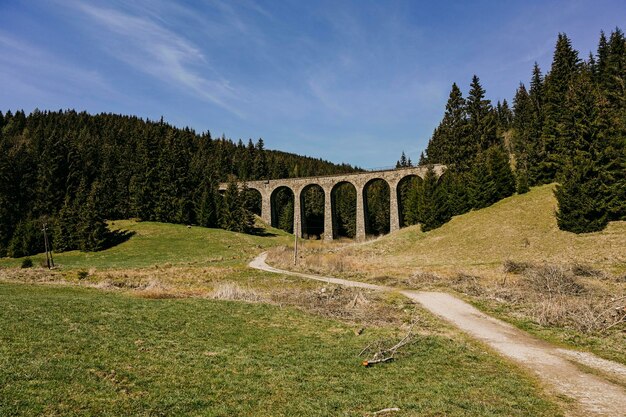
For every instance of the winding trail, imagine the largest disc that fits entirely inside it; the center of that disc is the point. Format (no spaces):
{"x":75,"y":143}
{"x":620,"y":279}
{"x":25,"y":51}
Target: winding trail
{"x":554,"y":366}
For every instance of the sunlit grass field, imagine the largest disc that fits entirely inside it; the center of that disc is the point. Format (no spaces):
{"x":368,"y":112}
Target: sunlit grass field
{"x":172,"y":244}
{"x":74,"y":351}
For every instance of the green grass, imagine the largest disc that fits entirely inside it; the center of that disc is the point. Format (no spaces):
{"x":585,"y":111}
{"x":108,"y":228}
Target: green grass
{"x":172,"y":244}
{"x":75,"y":351}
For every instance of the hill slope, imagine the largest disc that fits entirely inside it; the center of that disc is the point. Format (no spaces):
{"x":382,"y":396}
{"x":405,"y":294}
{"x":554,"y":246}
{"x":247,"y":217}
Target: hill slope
{"x":521,"y":228}
{"x":153,"y":244}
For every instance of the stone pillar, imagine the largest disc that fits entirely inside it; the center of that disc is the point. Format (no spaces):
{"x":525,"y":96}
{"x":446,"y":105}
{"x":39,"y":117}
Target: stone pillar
{"x":266,"y":207}
{"x":329,"y":233}
{"x":360,"y":212}
{"x":297,"y":212}
{"x":394,"y":209}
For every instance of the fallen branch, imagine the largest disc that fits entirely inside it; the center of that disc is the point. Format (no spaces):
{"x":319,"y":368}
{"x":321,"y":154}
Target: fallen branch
{"x":388,"y":354}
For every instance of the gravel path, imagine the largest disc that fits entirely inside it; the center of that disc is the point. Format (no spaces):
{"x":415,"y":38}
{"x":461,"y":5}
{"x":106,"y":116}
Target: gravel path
{"x":554,"y":366}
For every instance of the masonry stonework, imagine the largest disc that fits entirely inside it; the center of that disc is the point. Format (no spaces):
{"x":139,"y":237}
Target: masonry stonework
{"x":358,"y":179}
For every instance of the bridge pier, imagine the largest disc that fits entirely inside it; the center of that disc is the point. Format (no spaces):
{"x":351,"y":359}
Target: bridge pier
{"x":266,"y":207}
{"x":297,"y":212}
{"x":329,"y":231}
{"x":394,"y":209}
{"x":360,"y":212}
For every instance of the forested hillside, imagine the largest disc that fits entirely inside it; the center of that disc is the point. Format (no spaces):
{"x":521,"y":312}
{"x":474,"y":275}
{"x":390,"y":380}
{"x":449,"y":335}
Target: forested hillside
{"x":76,"y":169}
{"x":569,"y":127}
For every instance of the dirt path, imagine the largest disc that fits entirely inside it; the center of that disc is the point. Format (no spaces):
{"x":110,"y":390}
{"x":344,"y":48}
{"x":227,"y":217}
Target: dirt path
{"x":555,"y":366}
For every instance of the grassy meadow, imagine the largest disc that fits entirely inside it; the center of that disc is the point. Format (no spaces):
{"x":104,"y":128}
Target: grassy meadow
{"x":158,"y":244}
{"x":75,"y":351}
{"x":172,"y":322}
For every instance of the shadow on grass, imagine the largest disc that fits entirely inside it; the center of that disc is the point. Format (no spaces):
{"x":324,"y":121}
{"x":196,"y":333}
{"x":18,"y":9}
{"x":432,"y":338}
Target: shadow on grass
{"x":259,"y":231}
{"x":117,"y":237}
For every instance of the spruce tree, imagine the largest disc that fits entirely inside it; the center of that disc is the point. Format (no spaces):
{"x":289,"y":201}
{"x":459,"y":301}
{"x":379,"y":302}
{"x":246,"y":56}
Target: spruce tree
{"x":482,"y":120}
{"x":448,"y":144}
{"x":435,"y":210}
{"x":65,"y":234}
{"x":579,"y":210}
{"x":92,"y":229}
{"x":565,"y":65}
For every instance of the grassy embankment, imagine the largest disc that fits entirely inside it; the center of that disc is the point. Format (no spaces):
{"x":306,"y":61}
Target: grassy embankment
{"x":164,"y":339}
{"x":468,"y":255}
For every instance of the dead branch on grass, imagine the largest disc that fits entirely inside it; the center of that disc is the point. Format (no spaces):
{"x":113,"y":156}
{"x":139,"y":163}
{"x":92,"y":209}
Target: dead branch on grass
{"x":382,"y":354}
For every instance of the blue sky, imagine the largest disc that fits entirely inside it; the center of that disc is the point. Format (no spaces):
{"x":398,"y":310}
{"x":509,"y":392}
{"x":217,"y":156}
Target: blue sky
{"x":354,"y":82}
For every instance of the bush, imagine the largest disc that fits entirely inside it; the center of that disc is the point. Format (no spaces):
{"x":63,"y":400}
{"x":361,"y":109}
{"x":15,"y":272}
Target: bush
{"x":82,"y":274}
{"x":552,"y":280}
{"x":582,"y":270}
{"x":27,"y":263}
{"x":514,"y":267}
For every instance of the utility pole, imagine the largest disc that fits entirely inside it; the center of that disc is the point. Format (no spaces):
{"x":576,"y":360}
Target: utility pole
{"x":49,"y":260}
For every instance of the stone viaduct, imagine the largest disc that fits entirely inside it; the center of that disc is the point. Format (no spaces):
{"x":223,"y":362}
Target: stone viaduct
{"x":359,"y":180}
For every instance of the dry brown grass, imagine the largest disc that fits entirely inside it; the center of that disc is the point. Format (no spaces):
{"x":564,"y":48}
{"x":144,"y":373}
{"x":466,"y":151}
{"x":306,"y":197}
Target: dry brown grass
{"x":521,"y":228}
{"x":233,"y":292}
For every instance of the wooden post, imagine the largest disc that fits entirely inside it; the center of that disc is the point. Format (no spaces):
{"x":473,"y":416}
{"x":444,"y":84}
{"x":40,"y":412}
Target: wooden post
{"x":45,"y":242}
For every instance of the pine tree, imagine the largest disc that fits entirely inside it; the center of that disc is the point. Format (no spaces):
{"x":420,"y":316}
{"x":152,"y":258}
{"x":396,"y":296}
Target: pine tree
{"x":435,"y":211}
{"x":234,"y":215}
{"x":448,"y":144}
{"x":92,"y":229}
{"x":565,"y":65}
{"x":230,"y":208}
{"x":27,"y":239}
{"x":206,"y":208}
{"x":65,"y":235}
{"x":260,"y":163}
{"x":501,"y":173}
{"x":482,"y":120}
{"x":579,"y":210}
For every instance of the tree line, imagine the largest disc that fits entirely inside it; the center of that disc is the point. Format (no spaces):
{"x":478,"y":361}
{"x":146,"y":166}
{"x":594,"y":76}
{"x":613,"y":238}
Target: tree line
{"x":569,"y":127}
{"x":74,"y":170}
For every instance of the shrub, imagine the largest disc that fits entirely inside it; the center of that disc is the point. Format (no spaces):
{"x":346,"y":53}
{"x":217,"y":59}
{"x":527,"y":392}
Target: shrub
{"x":552,"y":280}
{"x":582,"y":270}
{"x":82,"y":274}
{"x":514,"y":267}
{"x":27,"y":263}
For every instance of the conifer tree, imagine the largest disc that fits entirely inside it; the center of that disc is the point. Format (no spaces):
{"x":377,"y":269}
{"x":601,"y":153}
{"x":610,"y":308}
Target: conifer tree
{"x":260,"y":162}
{"x":481,"y":118}
{"x":65,"y":234}
{"x":207,"y":208}
{"x":435,"y":211}
{"x":448,"y":144}
{"x":92,"y":229}
{"x":565,"y":66}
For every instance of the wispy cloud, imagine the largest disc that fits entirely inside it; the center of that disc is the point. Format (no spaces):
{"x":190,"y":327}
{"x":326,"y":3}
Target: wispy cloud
{"x":150,"y":47}
{"x":43,"y":74}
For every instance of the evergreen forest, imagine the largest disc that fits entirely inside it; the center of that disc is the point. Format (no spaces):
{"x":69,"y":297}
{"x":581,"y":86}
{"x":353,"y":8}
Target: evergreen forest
{"x":73,"y":171}
{"x":568,"y":127}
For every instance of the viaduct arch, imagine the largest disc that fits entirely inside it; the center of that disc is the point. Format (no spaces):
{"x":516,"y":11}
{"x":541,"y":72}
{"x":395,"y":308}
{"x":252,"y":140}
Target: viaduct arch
{"x":358,"y":179}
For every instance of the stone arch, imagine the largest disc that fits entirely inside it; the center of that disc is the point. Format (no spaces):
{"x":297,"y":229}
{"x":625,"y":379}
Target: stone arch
{"x":312,"y":203}
{"x":407,"y":193}
{"x":377,"y":195}
{"x":344,"y":209}
{"x":282,"y":203}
